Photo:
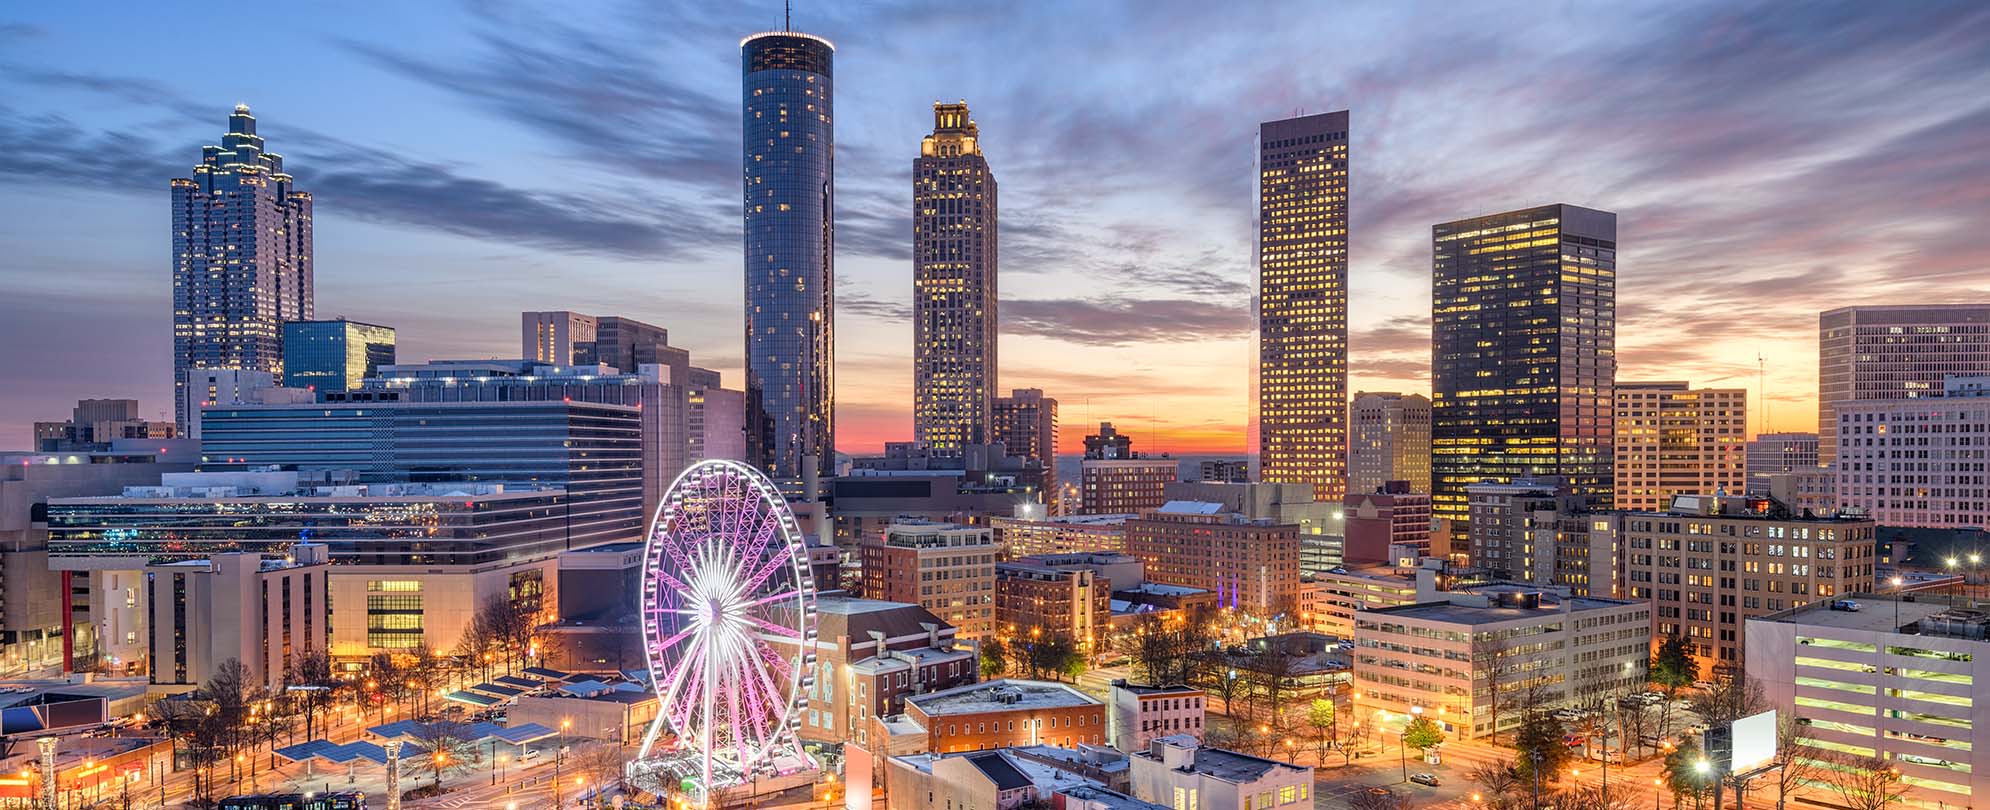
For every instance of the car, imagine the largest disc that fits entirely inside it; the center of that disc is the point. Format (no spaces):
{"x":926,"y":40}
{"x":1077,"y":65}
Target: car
{"x":1424,"y":778}
{"x":1846,"y":605}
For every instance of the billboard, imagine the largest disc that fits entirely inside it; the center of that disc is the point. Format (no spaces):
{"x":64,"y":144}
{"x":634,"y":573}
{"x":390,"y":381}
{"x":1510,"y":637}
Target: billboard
{"x":1754,"y":741}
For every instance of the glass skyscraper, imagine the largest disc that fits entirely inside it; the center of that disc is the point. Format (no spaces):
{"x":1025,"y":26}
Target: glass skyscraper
{"x":1302,"y":303}
{"x":334,"y":355}
{"x":953,"y":284}
{"x":241,"y":258}
{"x":790,"y":206}
{"x":1523,"y":352}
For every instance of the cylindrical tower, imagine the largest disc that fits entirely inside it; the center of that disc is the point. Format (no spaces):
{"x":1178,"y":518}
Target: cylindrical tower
{"x":790,"y":211}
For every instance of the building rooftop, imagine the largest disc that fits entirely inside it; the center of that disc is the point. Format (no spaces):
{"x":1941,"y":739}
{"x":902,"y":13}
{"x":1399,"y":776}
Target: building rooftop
{"x":1160,"y":589}
{"x":1217,"y":763}
{"x":1500,"y":607}
{"x":1191,"y":508}
{"x":1877,"y":613}
{"x":1098,"y":798}
{"x":1001,"y":695}
{"x":1147,"y":689}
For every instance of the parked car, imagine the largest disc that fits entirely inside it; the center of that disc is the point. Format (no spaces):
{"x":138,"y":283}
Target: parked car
{"x":1424,"y":778}
{"x":1846,"y":605}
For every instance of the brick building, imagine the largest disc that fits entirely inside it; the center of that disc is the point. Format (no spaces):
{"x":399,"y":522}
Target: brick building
{"x":872,"y":655}
{"x":1006,"y":713}
{"x":1031,"y":594}
{"x":946,"y":568}
{"x":1249,"y":565}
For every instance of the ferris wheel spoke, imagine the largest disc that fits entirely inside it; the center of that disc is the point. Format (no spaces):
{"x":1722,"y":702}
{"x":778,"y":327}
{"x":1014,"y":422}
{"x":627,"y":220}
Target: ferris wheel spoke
{"x":768,"y":600}
{"x":783,"y":635}
{"x":666,"y":644}
{"x":683,"y":674}
{"x":778,"y":662}
{"x":765,"y":568}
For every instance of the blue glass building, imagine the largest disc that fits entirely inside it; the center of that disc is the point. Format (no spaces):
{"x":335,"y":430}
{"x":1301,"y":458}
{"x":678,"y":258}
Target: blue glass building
{"x":789,"y":185}
{"x":334,"y":355}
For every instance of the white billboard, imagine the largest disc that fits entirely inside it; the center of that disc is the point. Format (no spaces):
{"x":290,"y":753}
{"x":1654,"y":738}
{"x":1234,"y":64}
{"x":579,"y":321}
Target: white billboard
{"x":1754,"y":741}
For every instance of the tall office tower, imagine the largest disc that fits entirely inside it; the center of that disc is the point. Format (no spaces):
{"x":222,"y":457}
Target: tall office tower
{"x":790,"y":207}
{"x":1025,"y":423}
{"x":1302,"y":303}
{"x":628,"y":345}
{"x":334,"y":355}
{"x":1676,"y":440}
{"x":241,"y":258}
{"x":1523,"y":352}
{"x":1772,"y":453}
{"x":953,"y":284}
{"x":1389,"y":440}
{"x":1866,"y":353}
{"x":552,"y":337}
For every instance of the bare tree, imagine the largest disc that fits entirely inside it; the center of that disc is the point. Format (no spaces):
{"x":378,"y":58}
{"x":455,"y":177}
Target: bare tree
{"x":311,"y":673}
{"x":445,"y":747}
{"x":1499,"y":784}
{"x":598,"y":764}
{"x":1273,"y":678}
{"x":425,"y":673}
{"x":1634,"y":724}
{"x":1865,"y":783}
{"x":1728,"y":701}
{"x":1793,"y":764}
{"x":1591,"y":798}
{"x":1379,"y":799}
{"x":1489,"y":656}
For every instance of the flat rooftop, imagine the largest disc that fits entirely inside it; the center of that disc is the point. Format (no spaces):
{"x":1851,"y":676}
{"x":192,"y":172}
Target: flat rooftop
{"x":1166,"y":689}
{"x":1452,"y":613}
{"x":1876,"y":613}
{"x":1002,"y":695}
{"x":850,"y":606}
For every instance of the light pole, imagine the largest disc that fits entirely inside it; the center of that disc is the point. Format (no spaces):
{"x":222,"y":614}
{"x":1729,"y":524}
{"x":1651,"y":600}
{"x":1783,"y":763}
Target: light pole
{"x":1896,"y":602}
{"x":1656,"y":783}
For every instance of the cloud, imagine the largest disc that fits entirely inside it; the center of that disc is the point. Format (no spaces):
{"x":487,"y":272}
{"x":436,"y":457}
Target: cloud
{"x":1125,"y":321}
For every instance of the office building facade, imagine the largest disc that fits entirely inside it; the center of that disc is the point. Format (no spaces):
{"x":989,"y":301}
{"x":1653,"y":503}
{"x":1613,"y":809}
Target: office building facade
{"x":1707,"y":564}
{"x":592,"y":450}
{"x":1025,"y":423}
{"x":1673,"y":439}
{"x":789,"y":209}
{"x":1249,"y":565}
{"x":1388,"y":440}
{"x":954,"y":326}
{"x":1034,"y":598}
{"x":1775,"y":453}
{"x":1922,"y":462}
{"x":1537,"y":530}
{"x":1027,"y":537}
{"x":241,"y":257}
{"x":1523,"y":352}
{"x":1378,"y":521}
{"x":551,"y":337}
{"x":1124,"y":485}
{"x":236,"y":606}
{"x":334,"y":355}
{"x":1893,"y":352}
{"x":1302,"y":184}
{"x":946,"y":568}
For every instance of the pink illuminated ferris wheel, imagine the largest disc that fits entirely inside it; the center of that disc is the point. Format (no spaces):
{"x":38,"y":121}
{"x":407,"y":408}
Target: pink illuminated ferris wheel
{"x":728,"y":614}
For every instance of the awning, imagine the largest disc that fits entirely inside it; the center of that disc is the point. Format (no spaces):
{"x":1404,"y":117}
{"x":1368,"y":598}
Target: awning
{"x":514,"y":680}
{"x":472,"y":698}
{"x":498,"y":689}
{"x":521,"y":734}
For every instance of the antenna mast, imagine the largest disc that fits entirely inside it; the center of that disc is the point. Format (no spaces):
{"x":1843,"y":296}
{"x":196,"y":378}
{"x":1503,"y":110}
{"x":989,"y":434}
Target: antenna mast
{"x":787,"y":15}
{"x":1762,"y":390}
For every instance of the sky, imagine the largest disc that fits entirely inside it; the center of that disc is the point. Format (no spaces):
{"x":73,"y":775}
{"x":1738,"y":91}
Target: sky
{"x":470,"y":161}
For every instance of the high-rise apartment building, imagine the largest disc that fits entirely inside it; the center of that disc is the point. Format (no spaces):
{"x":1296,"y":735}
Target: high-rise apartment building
{"x":1893,"y":352}
{"x":1025,"y":423}
{"x":1301,"y":392}
{"x":1918,"y":462}
{"x":241,"y":257}
{"x":789,"y":144}
{"x":1523,"y":352}
{"x":1707,"y":564}
{"x":334,"y":355}
{"x":1538,"y":531}
{"x":1389,"y":440}
{"x":1124,"y":485}
{"x":946,"y":568}
{"x":1777,"y":453}
{"x":953,"y":284}
{"x":1249,"y":564}
{"x":1673,"y":439}
{"x":1034,"y":598}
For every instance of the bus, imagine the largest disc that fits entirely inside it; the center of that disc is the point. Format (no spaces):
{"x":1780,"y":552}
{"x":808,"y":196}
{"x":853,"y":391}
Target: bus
{"x":343,"y":800}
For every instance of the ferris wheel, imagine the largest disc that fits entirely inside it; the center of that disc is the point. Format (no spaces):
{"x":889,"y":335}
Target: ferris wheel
{"x":728,"y":617}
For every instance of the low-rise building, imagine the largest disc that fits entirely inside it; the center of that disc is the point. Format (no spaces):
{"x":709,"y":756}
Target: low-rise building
{"x":1001,"y":779}
{"x":1331,"y":598}
{"x":1142,"y":712}
{"x":1179,"y":772}
{"x":1918,"y":462}
{"x":1464,"y":658}
{"x":237,"y":606}
{"x":1004,"y":713}
{"x":1021,"y":536}
{"x":1249,"y":565}
{"x":1882,"y":676}
{"x":1378,"y":520}
{"x":870,"y":657}
{"x":1035,"y":597}
{"x":946,"y":568}
{"x":619,"y":712}
{"x":1115,"y":486}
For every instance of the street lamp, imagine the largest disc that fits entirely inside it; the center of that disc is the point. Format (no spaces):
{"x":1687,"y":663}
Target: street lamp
{"x":1656,"y":783}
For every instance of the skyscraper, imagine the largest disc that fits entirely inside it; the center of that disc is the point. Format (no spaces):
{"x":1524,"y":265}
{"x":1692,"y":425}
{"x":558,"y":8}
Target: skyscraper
{"x":1673,"y":439}
{"x":1779,"y":453}
{"x":552,"y":337}
{"x":334,"y":355}
{"x":1893,"y":352}
{"x":241,"y":258}
{"x":1302,"y":302}
{"x":1389,"y":441}
{"x":1523,"y":352}
{"x":790,"y":206}
{"x":953,"y":284}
